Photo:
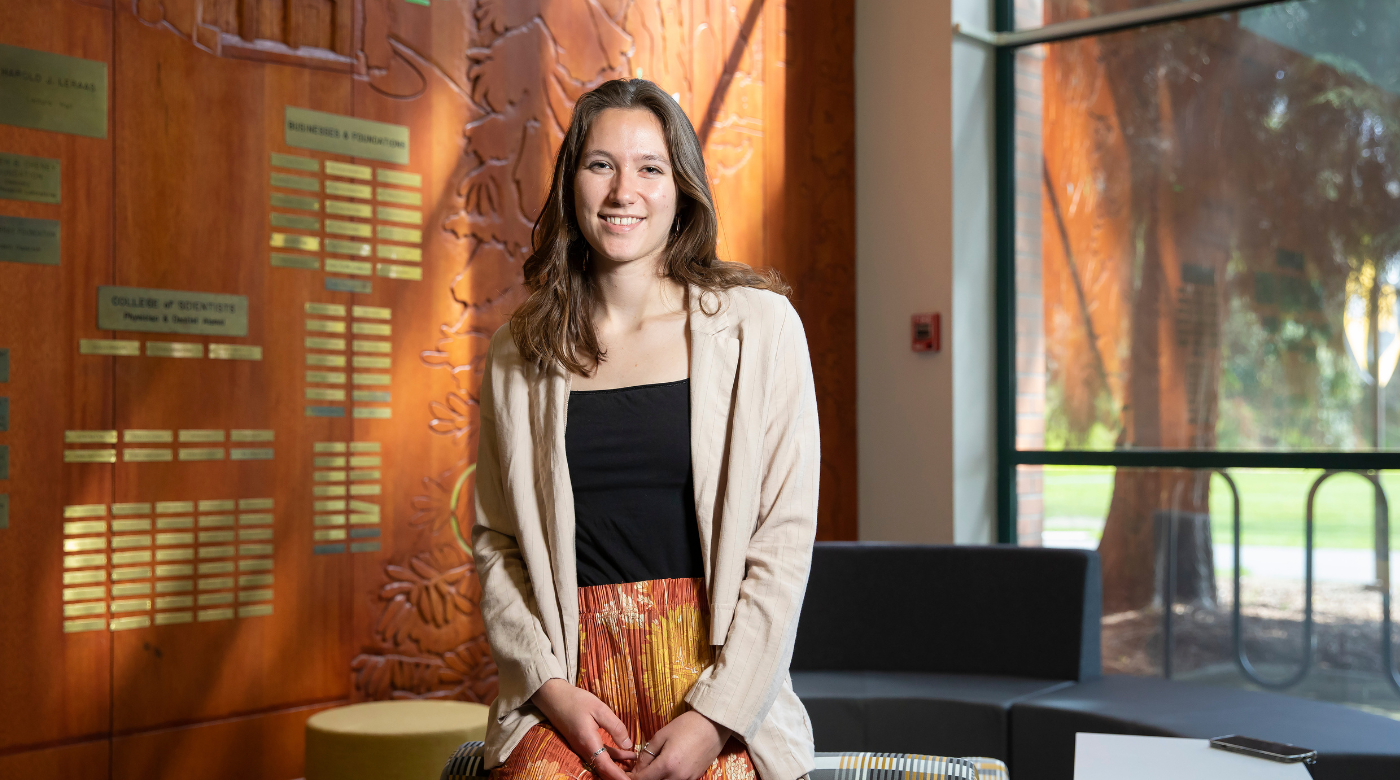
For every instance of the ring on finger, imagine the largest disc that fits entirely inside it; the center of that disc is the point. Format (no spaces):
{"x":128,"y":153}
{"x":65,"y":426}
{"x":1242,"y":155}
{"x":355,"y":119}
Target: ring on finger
{"x":643,"y":747}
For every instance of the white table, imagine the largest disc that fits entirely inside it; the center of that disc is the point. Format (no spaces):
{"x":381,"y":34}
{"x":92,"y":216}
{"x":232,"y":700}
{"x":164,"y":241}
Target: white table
{"x":1119,"y":757}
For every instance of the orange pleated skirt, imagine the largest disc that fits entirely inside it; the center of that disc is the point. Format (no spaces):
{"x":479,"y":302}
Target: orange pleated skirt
{"x":642,"y":646}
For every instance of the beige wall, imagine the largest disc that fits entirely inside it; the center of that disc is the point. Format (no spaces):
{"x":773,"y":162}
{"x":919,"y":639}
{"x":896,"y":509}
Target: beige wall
{"x":925,"y":420}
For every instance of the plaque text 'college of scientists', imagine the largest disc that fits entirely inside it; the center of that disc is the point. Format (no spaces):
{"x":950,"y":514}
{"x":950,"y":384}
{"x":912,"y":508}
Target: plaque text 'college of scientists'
{"x":171,"y":311}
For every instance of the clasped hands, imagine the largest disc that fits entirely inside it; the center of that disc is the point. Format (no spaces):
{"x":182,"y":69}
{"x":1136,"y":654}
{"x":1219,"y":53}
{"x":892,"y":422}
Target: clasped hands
{"x":681,"y":750}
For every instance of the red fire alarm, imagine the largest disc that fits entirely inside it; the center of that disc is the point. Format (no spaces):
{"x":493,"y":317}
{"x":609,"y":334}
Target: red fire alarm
{"x":925,"y":330}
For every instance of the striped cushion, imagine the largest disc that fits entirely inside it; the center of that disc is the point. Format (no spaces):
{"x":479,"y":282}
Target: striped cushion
{"x":466,"y":764}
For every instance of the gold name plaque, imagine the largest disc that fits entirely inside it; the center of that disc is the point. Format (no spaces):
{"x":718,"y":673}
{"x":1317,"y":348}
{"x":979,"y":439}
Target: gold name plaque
{"x":53,"y":92}
{"x":201,"y":453}
{"x":147,"y":455}
{"x":251,"y":434}
{"x":341,"y":208}
{"x":147,"y":436}
{"x":295,"y":162}
{"x":352,"y":137}
{"x":174,"y":349}
{"x":111,"y":347}
{"x":348,"y":170}
{"x":290,"y":182}
{"x":89,"y":437}
{"x":89,"y":456}
{"x":284,"y":201}
{"x":250,"y":453}
{"x":391,"y":271}
{"x":33,"y":179}
{"x":171,"y":311}
{"x":352,"y":267}
{"x":235,"y":352}
{"x":402,"y":197}
{"x":294,"y":221}
{"x":406,"y":235}
{"x":289,"y":241}
{"x":201,"y":435}
{"x":402,"y":178}
{"x":356,"y":229}
{"x":32,"y":241}
{"x":314,"y":342}
{"x":281,"y":260}
{"x":372,"y":313}
{"x":406,"y":216}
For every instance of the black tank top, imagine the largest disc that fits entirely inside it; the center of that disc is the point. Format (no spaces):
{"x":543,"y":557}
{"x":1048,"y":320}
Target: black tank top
{"x":634,"y":500}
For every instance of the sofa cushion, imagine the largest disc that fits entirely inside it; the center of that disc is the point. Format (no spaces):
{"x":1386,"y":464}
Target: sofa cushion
{"x":913,"y":712}
{"x":1351,"y":744}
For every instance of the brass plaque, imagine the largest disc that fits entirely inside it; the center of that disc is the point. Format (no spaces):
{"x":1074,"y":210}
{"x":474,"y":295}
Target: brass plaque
{"x":338,"y":134}
{"x":254,"y":549}
{"x":135,"y":621}
{"x":372,"y":379}
{"x":358,"y":547}
{"x":112,"y":347}
{"x":372,"y":396}
{"x":246,"y":504}
{"x":217,"y":567}
{"x":84,"y":594}
{"x":34,"y":179}
{"x":255,"y":534}
{"x":408,"y":272}
{"x":328,"y":462}
{"x":131,"y":589}
{"x":324,"y":394}
{"x":364,"y":446}
{"x":226,"y":551}
{"x":326,"y":309}
{"x":235,"y":352}
{"x":201,"y":435}
{"x":370,"y":475}
{"x":171,"y":311}
{"x":131,"y":605}
{"x":325,"y":326}
{"x":256,"y":610}
{"x":86,"y":624}
{"x":254,"y":580}
{"x":85,"y":543}
{"x":80,"y":527}
{"x":327,"y":491}
{"x":89,"y":456}
{"x":289,"y":241}
{"x":147,"y":455}
{"x":147,"y":436}
{"x":344,"y":190}
{"x":89,"y":437}
{"x":328,"y":506}
{"x":174,"y":570}
{"x":326,"y":377}
{"x":325,"y":411}
{"x":342,"y":247}
{"x":131,"y":556}
{"x":262,"y":594}
{"x":164,"y":523}
{"x":250,"y":453}
{"x":257,"y":518}
{"x":126,"y":573}
{"x":251,"y":434}
{"x":216,"y":521}
{"x":201,"y":453}
{"x":175,"y":555}
{"x":123,"y":526}
{"x":84,"y":577}
{"x":337,"y":284}
{"x":284,"y":201}
{"x":210,"y":599}
{"x":85,"y":510}
{"x":369,"y":345}
{"x":404,"y":178}
{"x":372,"y":329}
{"x":207,"y":615}
{"x":288,"y":181}
{"x":257,"y":565}
{"x":84,"y":561}
{"x":54,"y":92}
{"x":328,"y":476}
{"x":174,"y":507}
{"x":80,"y":610}
{"x":372,"y":313}
{"x":342,"y":208}
{"x":401,"y":197}
{"x":342,"y":228}
{"x":174,"y":602}
{"x":337,"y":519}
{"x":353,"y":267}
{"x":132,"y":509}
{"x":405,"y":216}
{"x":280,"y":260}
{"x":313,"y":342}
{"x":370,"y":361}
{"x":406,"y":235}
{"x":329,"y":446}
{"x":408,"y":254}
{"x":325,"y":361}
{"x":365,"y":461}
{"x":216,"y":537}
{"x":294,"y":221}
{"x":217,"y":505}
{"x":348,"y":170}
{"x":174,"y":349}
{"x":129,"y":541}
{"x":296,"y":162}
{"x":364,"y":506}
{"x":173,"y":618}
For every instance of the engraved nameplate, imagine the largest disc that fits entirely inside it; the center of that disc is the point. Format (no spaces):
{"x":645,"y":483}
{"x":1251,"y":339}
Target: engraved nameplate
{"x":171,"y":311}
{"x":32,"y":241}
{"x":54,"y":92}
{"x":29,"y":178}
{"x":323,"y":132}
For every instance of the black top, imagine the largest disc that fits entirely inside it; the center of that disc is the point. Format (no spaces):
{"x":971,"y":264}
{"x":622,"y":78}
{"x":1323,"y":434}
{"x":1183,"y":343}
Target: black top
{"x":634,"y":500}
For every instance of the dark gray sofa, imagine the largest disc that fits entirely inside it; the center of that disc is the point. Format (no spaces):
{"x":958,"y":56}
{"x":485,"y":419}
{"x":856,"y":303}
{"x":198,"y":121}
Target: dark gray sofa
{"x":994,"y":651}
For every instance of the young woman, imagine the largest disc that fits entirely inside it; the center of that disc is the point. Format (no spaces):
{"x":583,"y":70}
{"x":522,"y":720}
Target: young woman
{"x":646,"y":479}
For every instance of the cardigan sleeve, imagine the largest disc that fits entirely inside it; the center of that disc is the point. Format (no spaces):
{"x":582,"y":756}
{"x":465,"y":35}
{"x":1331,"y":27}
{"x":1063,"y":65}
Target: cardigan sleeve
{"x":519,"y":644}
{"x":739,"y":689}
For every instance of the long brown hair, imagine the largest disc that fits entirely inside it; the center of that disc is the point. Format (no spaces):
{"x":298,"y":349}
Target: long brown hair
{"x":555,"y":324}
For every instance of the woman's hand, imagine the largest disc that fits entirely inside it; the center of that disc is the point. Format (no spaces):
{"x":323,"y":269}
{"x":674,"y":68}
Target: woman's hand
{"x":683,"y":748}
{"x":583,"y":719}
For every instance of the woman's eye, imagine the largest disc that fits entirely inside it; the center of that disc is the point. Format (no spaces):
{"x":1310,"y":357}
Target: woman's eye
{"x":652,"y":169}
{"x":597,"y":165}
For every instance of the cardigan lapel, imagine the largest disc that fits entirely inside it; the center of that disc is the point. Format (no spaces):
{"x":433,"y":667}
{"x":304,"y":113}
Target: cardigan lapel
{"x":714,"y":359}
{"x":550,"y":396}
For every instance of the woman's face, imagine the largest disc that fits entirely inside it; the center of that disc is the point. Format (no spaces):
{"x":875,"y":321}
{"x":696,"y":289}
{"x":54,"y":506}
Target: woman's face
{"x":624,"y":192}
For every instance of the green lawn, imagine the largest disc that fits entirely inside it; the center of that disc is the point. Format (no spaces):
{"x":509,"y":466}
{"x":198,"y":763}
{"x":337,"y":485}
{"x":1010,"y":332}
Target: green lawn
{"x":1272,"y":505}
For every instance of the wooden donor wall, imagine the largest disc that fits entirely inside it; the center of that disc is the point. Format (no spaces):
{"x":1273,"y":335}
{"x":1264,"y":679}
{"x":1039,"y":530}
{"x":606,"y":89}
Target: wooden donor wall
{"x":252,"y":253}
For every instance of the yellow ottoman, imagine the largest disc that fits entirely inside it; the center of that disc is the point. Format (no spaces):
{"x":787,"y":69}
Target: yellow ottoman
{"x":389,"y":740}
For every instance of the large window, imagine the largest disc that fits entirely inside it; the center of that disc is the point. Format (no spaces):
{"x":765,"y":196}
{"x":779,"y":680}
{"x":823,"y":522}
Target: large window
{"x":1200,"y":256}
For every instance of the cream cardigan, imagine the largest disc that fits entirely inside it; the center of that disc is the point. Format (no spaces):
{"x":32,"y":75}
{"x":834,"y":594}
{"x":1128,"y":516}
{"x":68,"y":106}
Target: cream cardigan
{"x":755,"y":456}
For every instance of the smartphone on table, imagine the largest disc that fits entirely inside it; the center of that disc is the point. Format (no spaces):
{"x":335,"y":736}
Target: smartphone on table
{"x":1259,"y":748}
